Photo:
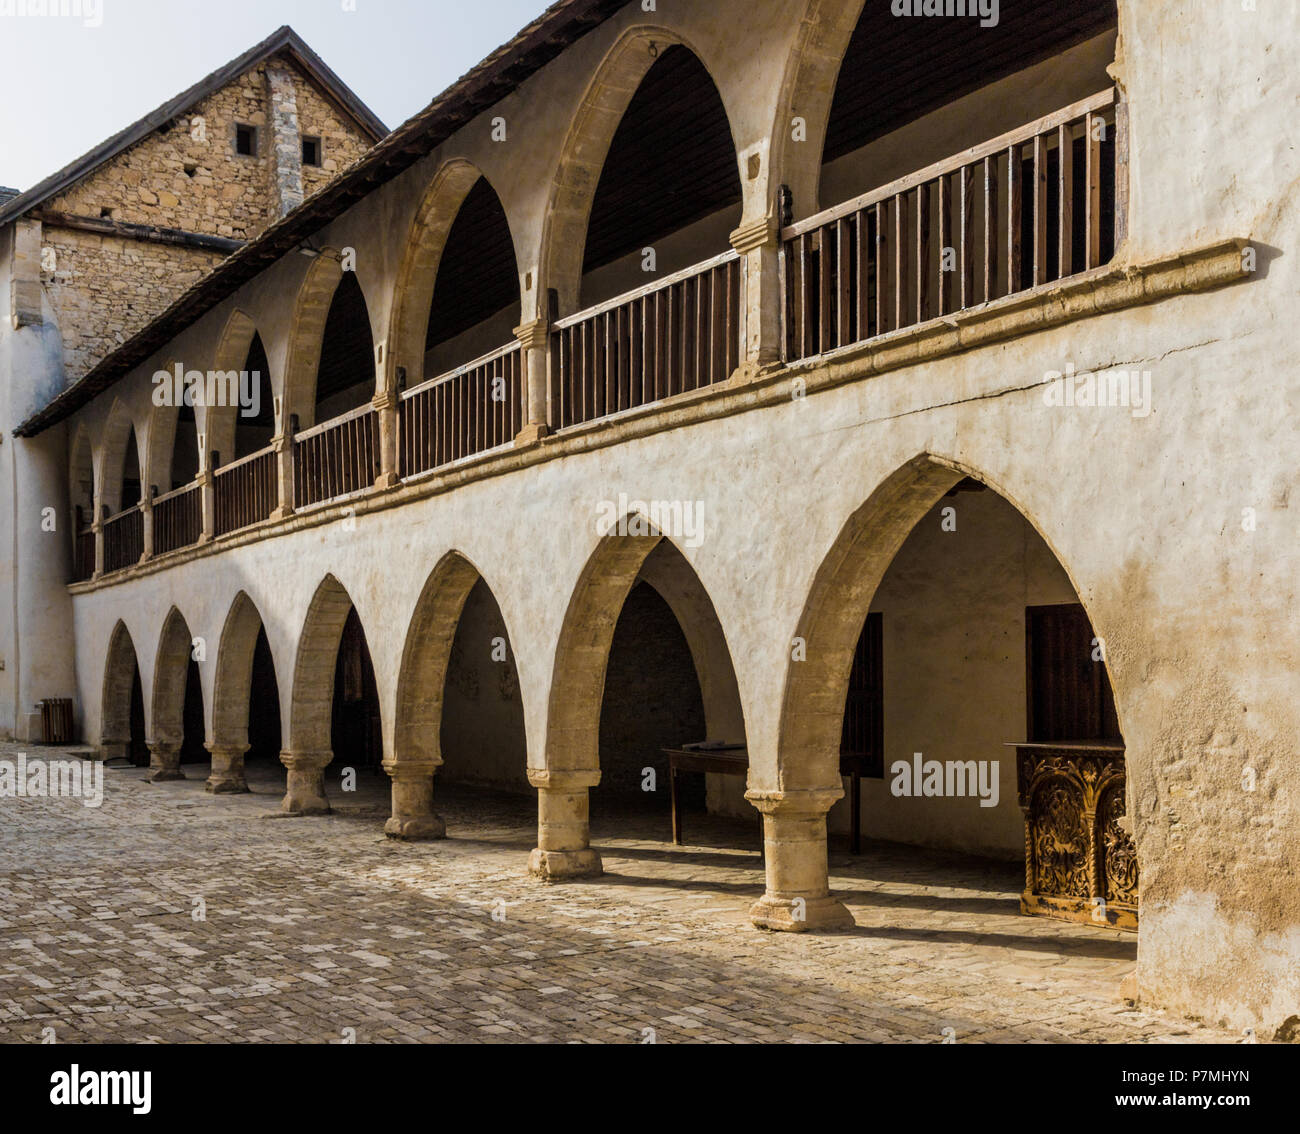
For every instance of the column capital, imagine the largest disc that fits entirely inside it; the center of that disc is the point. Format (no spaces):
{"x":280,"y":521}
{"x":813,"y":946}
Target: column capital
{"x":534,"y":335}
{"x":385,"y":400}
{"x":795,"y":802}
{"x":549,"y":779}
{"x":306,"y":759}
{"x":219,"y":747}
{"x":761,"y":233}
{"x":411,"y":769}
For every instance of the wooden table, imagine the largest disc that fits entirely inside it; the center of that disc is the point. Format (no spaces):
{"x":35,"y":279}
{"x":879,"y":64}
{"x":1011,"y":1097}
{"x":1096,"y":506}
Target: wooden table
{"x":733,"y":760}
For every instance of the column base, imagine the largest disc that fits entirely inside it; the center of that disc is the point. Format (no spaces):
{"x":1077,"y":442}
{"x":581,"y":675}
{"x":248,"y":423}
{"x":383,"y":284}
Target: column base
{"x":305,"y":784}
{"x":799,"y":915}
{"x":424,"y":828}
{"x":226,"y":776}
{"x":164,"y":762}
{"x":162,"y":775}
{"x":555,"y":866}
{"x":530,"y":434}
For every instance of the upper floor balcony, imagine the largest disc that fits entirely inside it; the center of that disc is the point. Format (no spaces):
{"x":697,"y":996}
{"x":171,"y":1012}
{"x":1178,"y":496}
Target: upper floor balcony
{"x":964,"y":173}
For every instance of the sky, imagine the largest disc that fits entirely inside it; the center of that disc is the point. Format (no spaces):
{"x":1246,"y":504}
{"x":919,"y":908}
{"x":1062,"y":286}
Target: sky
{"x":85,"y":69}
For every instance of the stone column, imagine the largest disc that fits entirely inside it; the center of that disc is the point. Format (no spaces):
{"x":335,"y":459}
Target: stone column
{"x":305,"y":790}
{"x":227,"y":776}
{"x":146,"y":525}
{"x":798,"y":896}
{"x":413,"y":816}
{"x":385,"y":403}
{"x":207,"y":505}
{"x":165,"y":761}
{"x":759,"y":245}
{"x":563,"y":832}
{"x":282,"y":445}
{"x":286,"y":141}
{"x":535,"y":339}
{"x":98,"y":528}
{"x":113,"y":749}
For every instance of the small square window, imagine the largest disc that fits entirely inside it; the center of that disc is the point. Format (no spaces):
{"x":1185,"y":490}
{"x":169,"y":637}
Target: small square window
{"x":311,"y":151}
{"x":245,"y":140}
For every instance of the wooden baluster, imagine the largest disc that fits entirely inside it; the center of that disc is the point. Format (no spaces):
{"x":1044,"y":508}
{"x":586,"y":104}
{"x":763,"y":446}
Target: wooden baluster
{"x":805,"y":296}
{"x":862,"y":246}
{"x":1040,"y":210}
{"x":990,"y":228}
{"x":882,"y":253}
{"x":922,"y":252}
{"x":966,"y":184}
{"x":1093,"y":126}
{"x":1065,"y":201}
{"x":735,"y":317}
{"x":844,"y":280}
{"x":825,"y":294}
{"x":900,"y":260}
{"x":1015,"y":251}
{"x":945,"y":243}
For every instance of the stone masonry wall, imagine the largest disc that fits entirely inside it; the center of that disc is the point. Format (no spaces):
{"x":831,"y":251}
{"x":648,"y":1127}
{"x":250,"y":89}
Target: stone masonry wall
{"x":105,"y":288}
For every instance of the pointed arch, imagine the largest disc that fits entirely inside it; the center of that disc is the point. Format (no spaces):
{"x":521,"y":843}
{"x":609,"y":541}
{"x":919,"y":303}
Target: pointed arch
{"x":120,"y":669}
{"x":812,"y":703}
{"x":426,"y":655}
{"x":307,"y":336}
{"x":312,"y":693}
{"x":120,"y":438}
{"x":170,"y":675}
{"x":232,"y":683}
{"x":807,"y":93}
{"x":587,"y":633}
{"x":81,"y":475}
{"x":217,"y":424}
{"x":671,"y":576}
{"x":417,"y":276}
{"x":584,"y":153}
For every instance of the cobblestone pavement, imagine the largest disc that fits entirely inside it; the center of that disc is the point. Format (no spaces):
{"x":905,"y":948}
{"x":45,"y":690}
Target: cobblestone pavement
{"x":312,"y":926}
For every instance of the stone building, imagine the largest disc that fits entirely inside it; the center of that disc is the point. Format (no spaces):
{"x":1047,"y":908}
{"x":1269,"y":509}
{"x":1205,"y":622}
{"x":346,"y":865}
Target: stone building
{"x":895,"y":403}
{"x":95,"y":252}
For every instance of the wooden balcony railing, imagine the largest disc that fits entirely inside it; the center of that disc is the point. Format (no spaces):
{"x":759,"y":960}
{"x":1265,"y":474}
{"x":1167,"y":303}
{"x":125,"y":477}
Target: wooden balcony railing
{"x":337,"y":458}
{"x":468,"y":411}
{"x":244,"y":492}
{"x":83,"y":555}
{"x":678,"y":334}
{"x":177,"y":519}
{"x":123,"y":539}
{"x":1035,"y":205}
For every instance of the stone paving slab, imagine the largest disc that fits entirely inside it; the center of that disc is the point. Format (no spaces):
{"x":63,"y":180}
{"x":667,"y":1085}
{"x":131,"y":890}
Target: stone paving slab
{"x":169,"y":915}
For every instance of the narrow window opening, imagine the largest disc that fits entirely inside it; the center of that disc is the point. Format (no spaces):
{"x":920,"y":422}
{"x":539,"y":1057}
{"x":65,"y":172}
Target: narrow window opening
{"x":311,"y":151}
{"x":245,"y":140}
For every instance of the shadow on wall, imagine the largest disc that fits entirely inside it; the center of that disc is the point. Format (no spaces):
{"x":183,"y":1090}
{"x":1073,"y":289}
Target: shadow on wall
{"x":483,"y":740}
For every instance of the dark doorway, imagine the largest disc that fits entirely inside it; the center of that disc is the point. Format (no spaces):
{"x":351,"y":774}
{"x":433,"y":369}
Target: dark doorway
{"x":1070,"y":697}
{"x":192,"y":750}
{"x":355,"y":732}
{"x":652,"y":701}
{"x":264,"y":738}
{"x":137,"y":750}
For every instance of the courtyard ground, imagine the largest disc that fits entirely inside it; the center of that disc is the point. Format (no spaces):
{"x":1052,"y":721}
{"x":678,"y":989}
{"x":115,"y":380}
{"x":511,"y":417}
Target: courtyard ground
{"x":171,"y":915}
